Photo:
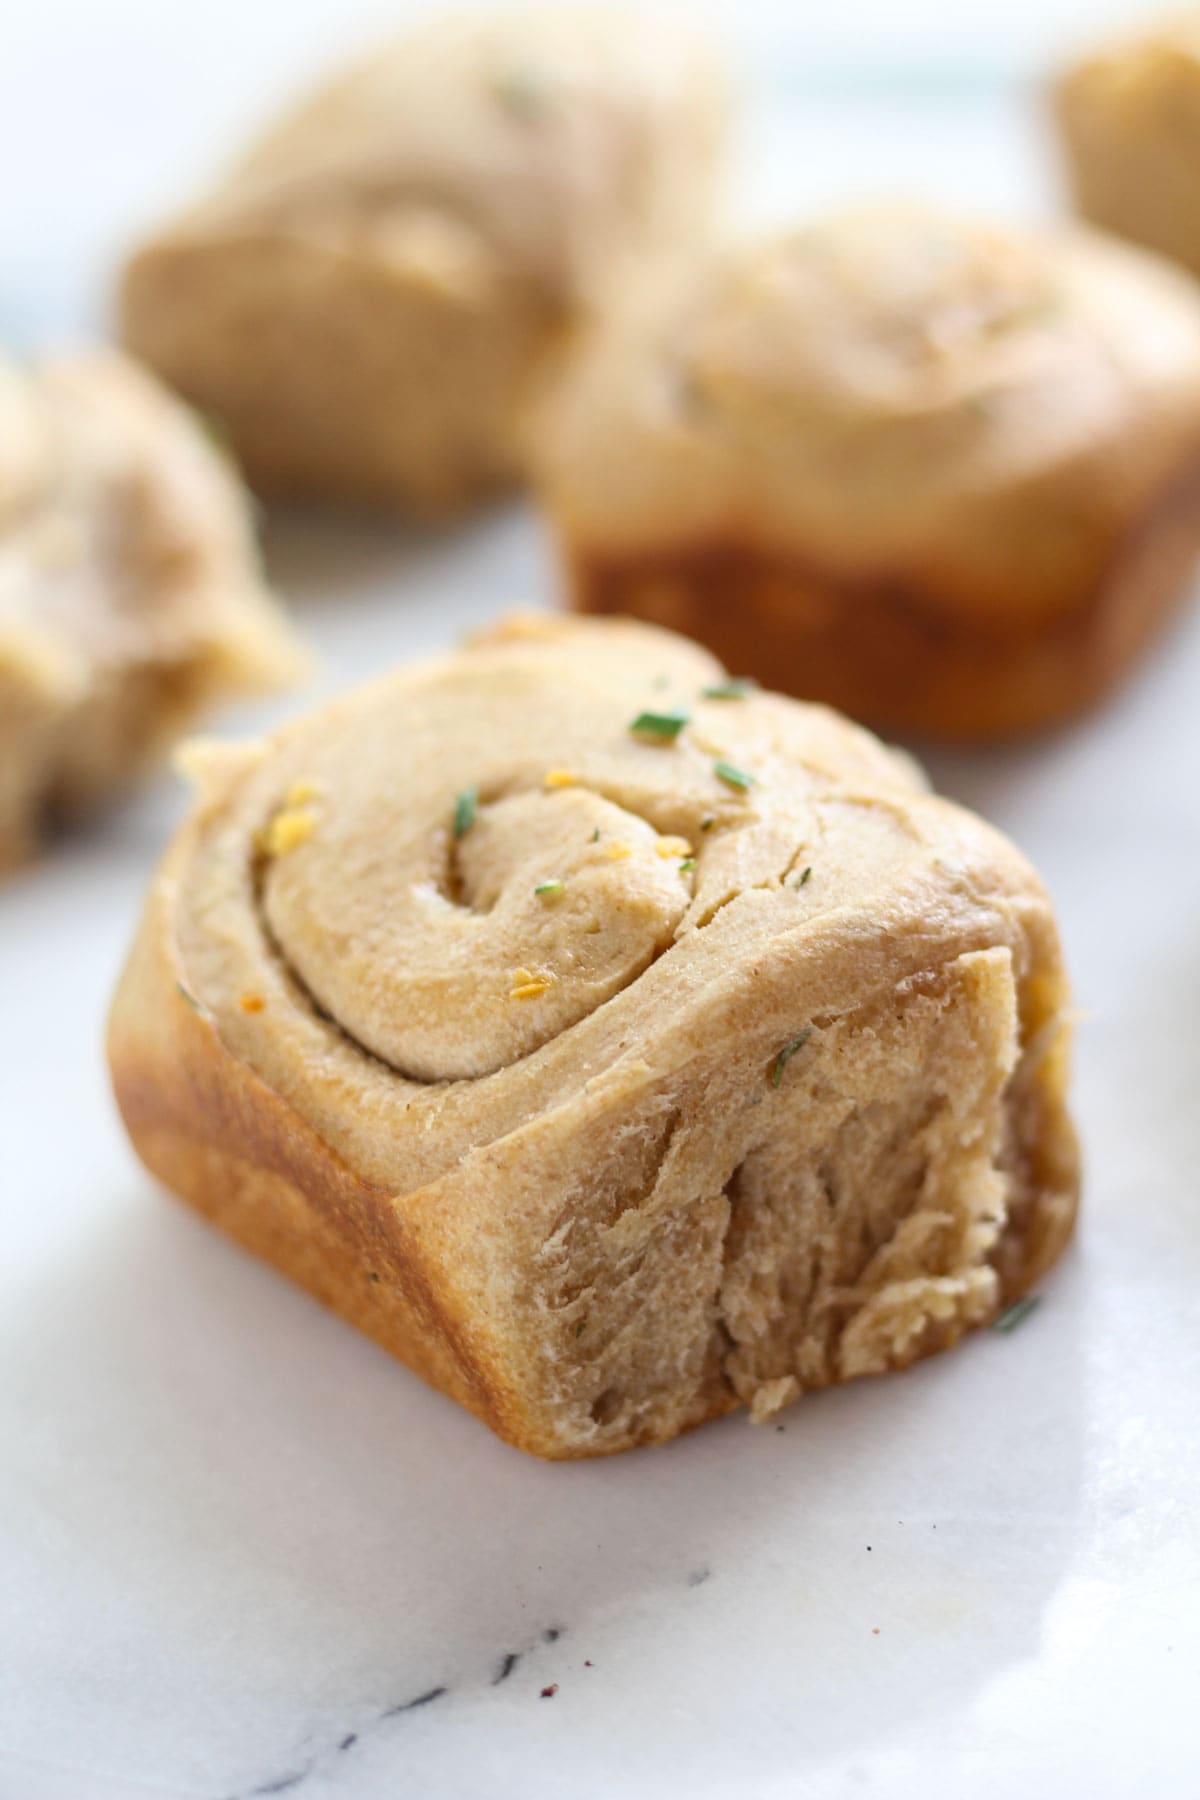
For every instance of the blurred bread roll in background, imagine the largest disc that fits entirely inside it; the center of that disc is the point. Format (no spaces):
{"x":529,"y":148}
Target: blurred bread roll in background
{"x":943,"y":475}
{"x":363,"y":298}
{"x":1128,"y":114}
{"x":130,"y":596}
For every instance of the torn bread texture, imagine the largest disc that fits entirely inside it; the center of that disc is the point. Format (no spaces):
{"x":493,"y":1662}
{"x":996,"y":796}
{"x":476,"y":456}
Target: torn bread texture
{"x":363,"y":298}
{"x":786,"y":1106}
{"x":130,"y":596}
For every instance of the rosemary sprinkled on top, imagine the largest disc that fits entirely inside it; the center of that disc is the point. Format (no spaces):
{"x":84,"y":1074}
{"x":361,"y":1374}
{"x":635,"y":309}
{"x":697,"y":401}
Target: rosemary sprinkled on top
{"x":664,"y":725}
{"x":521,"y":90}
{"x":549,"y":889}
{"x":708,"y":821}
{"x":596,"y":835}
{"x":786,"y":1054}
{"x":688,"y":863}
{"x":735,"y":689}
{"x":465,"y":808}
{"x":802,"y":880}
{"x":1020,"y":1309}
{"x":731,"y":776}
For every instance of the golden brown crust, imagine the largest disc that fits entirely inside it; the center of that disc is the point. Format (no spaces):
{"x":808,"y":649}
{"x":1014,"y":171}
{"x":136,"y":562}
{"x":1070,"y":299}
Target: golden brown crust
{"x":904,"y":658}
{"x":655,"y":1215}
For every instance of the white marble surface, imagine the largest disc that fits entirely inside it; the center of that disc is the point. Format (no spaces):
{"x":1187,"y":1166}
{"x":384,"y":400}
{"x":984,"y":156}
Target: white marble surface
{"x":237,"y":1543}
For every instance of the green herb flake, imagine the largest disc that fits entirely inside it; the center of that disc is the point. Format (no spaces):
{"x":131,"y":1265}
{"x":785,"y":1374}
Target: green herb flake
{"x":733,"y":777}
{"x":786,"y":1054}
{"x":1014,"y":1315}
{"x":190,"y":998}
{"x":708,"y":821}
{"x":688,"y":863}
{"x":664,"y":725}
{"x":522,"y":90}
{"x":737,"y":689}
{"x":549,"y":888}
{"x":803,"y":879}
{"x":596,"y":835}
{"x":465,"y":808}
{"x":579,"y":1327}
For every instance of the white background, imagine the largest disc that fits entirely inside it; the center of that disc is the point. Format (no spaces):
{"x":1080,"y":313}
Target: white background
{"x":233,"y":1535}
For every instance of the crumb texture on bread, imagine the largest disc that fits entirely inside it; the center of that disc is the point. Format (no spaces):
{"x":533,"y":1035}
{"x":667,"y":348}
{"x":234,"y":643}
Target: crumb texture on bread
{"x":130,"y":596}
{"x":614,"y":1044}
{"x":363,"y":299}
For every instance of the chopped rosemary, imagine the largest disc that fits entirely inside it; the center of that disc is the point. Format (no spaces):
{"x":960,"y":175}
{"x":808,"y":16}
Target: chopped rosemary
{"x":596,"y":835}
{"x":708,"y":821}
{"x":803,"y":880}
{"x":689,"y":862}
{"x":786,"y":1054}
{"x":735,"y":689}
{"x":665,"y":725}
{"x":549,"y":887}
{"x":1013,"y":1315}
{"x":732,"y":777}
{"x":465,"y":808}
{"x":522,"y":91}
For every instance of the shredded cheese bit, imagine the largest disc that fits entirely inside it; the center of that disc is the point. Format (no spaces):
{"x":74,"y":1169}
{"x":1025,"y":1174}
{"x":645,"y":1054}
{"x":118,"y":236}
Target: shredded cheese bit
{"x":302,"y":792}
{"x":617,"y":852}
{"x":527,"y":985}
{"x":291,"y":826}
{"x":673,"y":846}
{"x":252,"y":1003}
{"x":560,"y":778}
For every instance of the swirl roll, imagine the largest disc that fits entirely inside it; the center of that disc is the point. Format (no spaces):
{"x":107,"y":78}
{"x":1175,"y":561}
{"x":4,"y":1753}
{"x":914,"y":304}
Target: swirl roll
{"x":130,"y":592}
{"x":363,"y":299}
{"x":614,"y":1042}
{"x":936,"y":472}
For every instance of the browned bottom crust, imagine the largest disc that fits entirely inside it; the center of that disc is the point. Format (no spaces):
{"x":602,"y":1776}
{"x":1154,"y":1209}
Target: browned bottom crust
{"x":886,"y":651}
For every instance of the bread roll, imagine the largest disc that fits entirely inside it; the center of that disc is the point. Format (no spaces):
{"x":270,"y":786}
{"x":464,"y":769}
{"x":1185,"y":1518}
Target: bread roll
{"x":942,"y":475}
{"x":130,"y":596}
{"x":363,"y":298}
{"x":611,"y":1071}
{"x":1128,"y":115}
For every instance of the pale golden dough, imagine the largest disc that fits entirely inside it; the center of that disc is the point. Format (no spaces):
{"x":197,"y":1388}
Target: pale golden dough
{"x":942,"y":474}
{"x":1128,"y":115}
{"x":363,"y":298}
{"x":130,"y":596}
{"x":784,"y":1105}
